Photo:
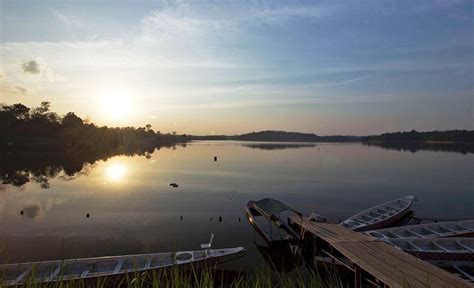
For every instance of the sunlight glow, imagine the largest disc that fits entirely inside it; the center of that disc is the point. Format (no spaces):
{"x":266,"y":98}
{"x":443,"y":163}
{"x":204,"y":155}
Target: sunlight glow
{"x":117,"y":104}
{"x":115,"y":172}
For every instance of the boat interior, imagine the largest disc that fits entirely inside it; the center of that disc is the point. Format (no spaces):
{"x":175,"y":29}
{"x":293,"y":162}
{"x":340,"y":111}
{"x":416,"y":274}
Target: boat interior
{"x":274,"y":230}
{"x":96,"y":267}
{"x":465,"y":245}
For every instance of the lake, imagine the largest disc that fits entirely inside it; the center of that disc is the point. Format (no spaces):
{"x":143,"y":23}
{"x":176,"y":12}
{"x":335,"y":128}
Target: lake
{"x":134,"y":210}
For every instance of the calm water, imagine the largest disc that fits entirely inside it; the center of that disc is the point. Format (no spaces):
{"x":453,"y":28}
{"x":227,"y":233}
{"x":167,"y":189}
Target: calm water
{"x":134,"y":210}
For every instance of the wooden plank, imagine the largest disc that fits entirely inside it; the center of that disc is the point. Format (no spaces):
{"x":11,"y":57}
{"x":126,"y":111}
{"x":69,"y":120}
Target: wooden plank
{"x":415,"y":263}
{"x":388,"y":264}
{"x":385,"y":272}
{"x":394,"y":270}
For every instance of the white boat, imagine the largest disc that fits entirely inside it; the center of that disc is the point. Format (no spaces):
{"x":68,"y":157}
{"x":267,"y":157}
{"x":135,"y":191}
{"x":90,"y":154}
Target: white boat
{"x":464,"y":269}
{"x":380,"y":216}
{"x":437,"y":249}
{"x":111,"y":266}
{"x":430,"y":230}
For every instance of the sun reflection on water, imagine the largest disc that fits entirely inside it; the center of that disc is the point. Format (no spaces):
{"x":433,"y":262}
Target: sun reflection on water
{"x":115,"y":172}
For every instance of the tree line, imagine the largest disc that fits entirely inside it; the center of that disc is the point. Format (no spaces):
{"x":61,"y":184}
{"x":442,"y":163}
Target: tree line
{"x":24,"y":127}
{"x":453,"y":136}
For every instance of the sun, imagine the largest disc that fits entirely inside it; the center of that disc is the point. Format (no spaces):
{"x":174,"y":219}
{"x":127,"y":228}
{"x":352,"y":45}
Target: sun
{"x":117,"y":104}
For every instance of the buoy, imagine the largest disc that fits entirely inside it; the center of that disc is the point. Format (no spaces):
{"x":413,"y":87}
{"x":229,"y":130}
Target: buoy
{"x":181,"y":217}
{"x":220,"y":219}
{"x":21,"y":212}
{"x":215,"y":158}
{"x":87,"y":215}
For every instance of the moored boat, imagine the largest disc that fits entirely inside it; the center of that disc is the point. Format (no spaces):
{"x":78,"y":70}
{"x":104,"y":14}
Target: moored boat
{"x":464,"y":269}
{"x":270,"y":218}
{"x":437,"y":249}
{"x":380,"y":216}
{"x":110,"y":267}
{"x":462,"y":228}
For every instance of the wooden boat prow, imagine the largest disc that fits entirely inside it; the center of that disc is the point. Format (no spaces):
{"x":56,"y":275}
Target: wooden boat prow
{"x":380,"y":216}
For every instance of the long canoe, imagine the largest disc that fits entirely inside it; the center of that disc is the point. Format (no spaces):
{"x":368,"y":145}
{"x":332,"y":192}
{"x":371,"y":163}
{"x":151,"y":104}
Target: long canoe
{"x":430,"y":230}
{"x":437,"y":249}
{"x":380,"y":216}
{"x":110,"y":266}
{"x":464,"y":269}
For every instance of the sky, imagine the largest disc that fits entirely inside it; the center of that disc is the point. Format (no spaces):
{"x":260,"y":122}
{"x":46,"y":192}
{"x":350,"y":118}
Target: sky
{"x":231,"y":67}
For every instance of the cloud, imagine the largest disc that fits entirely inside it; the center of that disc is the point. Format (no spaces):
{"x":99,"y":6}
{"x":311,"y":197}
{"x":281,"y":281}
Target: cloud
{"x":67,"y":19}
{"x":285,"y":13}
{"x":9,"y":89}
{"x":31,"y":66}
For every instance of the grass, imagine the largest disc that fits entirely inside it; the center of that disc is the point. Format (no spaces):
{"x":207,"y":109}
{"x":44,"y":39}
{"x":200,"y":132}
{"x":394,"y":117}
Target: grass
{"x":200,"y":278}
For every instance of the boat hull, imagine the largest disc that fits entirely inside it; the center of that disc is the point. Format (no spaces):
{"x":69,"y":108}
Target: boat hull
{"x":380,"y":216}
{"x":387,"y":222}
{"x":114,"y":267}
{"x":463,"y":228}
{"x":251,"y":214}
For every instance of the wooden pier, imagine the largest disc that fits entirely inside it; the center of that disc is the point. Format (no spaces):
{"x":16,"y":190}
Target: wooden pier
{"x":374,"y":260}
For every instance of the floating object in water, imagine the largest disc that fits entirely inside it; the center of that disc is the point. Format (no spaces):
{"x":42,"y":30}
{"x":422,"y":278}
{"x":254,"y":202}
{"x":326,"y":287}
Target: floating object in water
{"x":439,"y":249}
{"x":430,"y":230}
{"x":215,"y":158}
{"x":21,"y":212}
{"x":380,"y":216}
{"x":88,"y":215}
{"x":275,"y":228}
{"x":239,"y":219}
{"x":210,"y":219}
{"x":174,"y":185}
{"x":220,"y":219}
{"x":91,"y":268}
{"x":181,"y":217}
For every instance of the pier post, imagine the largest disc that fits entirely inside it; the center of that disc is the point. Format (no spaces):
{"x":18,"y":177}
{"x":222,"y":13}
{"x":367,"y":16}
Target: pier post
{"x":357,"y":282}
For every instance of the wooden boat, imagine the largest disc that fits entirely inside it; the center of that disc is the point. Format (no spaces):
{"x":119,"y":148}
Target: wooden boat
{"x":380,"y":216}
{"x":437,"y":249}
{"x":110,"y":267}
{"x":270,"y":219}
{"x":463,"y":228}
{"x":464,"y":269}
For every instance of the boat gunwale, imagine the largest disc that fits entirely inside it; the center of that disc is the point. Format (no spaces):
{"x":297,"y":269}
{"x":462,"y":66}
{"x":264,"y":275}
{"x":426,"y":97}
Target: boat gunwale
{"x":410,"y":199}
{"x":30,"y":266}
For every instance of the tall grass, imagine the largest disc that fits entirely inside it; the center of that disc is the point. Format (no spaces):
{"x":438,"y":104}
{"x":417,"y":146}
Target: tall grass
{"x":199,"y":278}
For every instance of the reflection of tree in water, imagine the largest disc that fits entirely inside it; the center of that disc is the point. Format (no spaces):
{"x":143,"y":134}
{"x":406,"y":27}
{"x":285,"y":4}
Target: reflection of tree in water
{"x":277,"y":146}
{"x":463,"y":148}
{"x":20,"y":167}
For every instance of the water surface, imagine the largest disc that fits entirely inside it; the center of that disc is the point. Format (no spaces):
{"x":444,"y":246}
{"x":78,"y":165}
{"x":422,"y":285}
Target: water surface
{"x":134,"y":210}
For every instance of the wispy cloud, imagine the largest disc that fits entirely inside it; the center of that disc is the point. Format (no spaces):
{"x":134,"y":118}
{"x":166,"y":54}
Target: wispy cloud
{"x":66,"y":19}
{"x":9,"y":89}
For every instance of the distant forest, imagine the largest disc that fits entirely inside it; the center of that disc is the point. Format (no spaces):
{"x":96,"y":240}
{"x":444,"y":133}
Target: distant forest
{"x":24,"y":127}
{"x":450,"y":136}
{"x":280,"y":136}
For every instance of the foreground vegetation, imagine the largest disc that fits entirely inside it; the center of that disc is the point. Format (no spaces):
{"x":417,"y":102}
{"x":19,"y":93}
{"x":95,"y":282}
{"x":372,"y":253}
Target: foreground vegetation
{"x":204,"y":278}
